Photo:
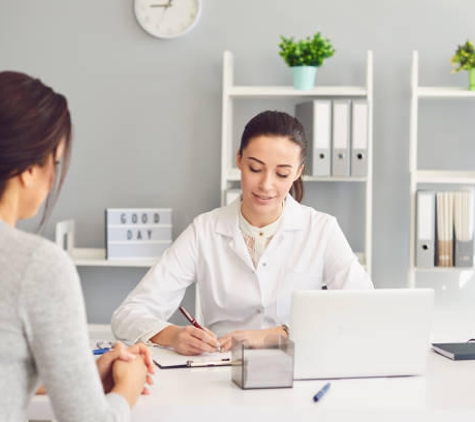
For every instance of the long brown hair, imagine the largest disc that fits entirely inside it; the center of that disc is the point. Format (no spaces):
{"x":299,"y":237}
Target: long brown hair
{"x":34,"y":120}
{"x":280,"y":124}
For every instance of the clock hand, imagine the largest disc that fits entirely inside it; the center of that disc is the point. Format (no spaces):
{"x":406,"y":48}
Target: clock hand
{"x":161,"y":17}
{"x":170,"y":3}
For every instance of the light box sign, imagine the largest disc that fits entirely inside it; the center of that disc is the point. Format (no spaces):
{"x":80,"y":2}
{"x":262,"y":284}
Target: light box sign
{"x":134,"y":233}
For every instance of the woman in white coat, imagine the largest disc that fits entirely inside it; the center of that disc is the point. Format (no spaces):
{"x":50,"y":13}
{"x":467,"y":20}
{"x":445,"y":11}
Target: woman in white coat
{"x":245,"y":258}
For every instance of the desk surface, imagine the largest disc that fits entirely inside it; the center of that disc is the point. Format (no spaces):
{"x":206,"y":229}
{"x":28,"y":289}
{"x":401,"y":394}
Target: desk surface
{"x":444,"y":393}
{"x":181,"y":394}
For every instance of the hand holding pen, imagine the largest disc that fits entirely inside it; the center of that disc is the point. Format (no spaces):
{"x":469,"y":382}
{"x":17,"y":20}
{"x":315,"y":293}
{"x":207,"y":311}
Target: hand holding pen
{"x":190,"y":340}
{"x":209,"y":337}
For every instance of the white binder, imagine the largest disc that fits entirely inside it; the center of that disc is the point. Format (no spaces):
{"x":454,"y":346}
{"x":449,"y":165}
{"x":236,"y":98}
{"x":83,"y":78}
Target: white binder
{"x":463,"y":227}
{"x":359,"y":138}
{"x":425,"y":239}
{"x":315,"y":117}
{"x":341,"y":138}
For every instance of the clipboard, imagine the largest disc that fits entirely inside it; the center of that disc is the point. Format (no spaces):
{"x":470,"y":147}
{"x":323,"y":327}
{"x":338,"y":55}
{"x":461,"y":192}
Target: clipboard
{"x":166,"y":358}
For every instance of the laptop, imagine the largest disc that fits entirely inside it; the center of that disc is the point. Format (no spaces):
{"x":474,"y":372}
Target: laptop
{"x":360,"y":333}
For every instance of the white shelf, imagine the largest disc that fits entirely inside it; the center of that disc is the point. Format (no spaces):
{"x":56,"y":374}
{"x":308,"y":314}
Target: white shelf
{"x":93,"y":257}
{"x":443,"y":92}
{"x":288,"y":91}
{"x":444,"y":270}
{"x":419,"y":176}
{"x":444,"y":177}
{"x":230,"y":174}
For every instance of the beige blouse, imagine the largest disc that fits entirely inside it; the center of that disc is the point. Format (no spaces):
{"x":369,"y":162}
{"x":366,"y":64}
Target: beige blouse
{"x":257,"y":238}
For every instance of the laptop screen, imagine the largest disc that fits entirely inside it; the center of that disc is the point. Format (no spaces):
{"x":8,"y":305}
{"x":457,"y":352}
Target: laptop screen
{"x":361,"y":333}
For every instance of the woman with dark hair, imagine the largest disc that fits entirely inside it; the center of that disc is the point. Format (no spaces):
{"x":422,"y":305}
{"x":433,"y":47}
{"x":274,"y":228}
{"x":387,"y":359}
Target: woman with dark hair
{"x":246,"y":258}
{"x":42,"y":317}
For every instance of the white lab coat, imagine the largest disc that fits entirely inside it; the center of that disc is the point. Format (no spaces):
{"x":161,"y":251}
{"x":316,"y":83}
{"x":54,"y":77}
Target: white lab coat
{"x":308,"y":250}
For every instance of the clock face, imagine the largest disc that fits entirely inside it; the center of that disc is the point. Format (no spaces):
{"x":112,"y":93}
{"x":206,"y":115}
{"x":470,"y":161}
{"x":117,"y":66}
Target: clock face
{"x":167,"y":18}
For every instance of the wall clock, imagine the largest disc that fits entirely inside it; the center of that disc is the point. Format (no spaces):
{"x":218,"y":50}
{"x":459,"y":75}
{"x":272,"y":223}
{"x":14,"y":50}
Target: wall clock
{"x":167,"y":18}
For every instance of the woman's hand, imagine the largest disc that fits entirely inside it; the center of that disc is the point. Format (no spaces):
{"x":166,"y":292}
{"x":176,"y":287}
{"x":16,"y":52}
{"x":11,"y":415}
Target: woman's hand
{"x":142,"y":350}
{"x":106,"y":362}
{"x":189,"y":340}
{"x":253,"y":338}
{"x":129,"y":377}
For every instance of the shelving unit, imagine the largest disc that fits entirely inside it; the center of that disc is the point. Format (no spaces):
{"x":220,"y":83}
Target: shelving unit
{"x":230,"y":174}
{"x":91,"y":257}
{"x":427,"y":176}
{"x":96,"y":257}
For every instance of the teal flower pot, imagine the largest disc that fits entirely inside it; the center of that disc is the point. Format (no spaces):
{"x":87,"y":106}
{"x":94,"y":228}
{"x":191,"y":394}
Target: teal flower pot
{"x":304,"y":76}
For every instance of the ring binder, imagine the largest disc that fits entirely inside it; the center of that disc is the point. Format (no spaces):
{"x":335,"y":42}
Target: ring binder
{"x":359,"y":138}
{"x":315,"y":117}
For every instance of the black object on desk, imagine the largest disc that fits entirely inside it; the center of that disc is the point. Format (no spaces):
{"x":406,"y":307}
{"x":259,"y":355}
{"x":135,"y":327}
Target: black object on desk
{"x":456,"y":351}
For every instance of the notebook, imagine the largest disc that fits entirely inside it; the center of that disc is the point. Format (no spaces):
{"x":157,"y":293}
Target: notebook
{"x":360,"y":333}
{"x":456,"y":351}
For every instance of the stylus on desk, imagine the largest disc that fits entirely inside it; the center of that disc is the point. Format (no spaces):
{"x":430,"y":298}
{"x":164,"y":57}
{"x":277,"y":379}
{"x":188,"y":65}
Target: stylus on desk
{"x":321,"y":392}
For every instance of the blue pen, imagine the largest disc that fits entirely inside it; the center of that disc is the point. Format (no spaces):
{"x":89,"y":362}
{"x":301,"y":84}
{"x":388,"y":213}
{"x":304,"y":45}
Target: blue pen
{"x":322,"y":392}
{"x":100,"y":351}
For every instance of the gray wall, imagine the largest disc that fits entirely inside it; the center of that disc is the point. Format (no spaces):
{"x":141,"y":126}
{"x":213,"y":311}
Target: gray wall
{"x":147,"y":111}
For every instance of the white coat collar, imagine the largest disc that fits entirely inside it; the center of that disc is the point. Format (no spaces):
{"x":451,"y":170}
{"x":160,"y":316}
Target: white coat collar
{"x":228,"y":222}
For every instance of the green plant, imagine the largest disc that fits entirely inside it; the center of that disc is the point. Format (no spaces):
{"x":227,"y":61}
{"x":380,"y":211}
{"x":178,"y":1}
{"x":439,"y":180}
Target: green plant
{"x":464,"y":57}
{"x":310,"y":51}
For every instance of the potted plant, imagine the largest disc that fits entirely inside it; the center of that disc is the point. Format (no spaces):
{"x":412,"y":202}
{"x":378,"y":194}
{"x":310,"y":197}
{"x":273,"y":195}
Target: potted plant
{"x":304,"y":57}
{"x":464,"y":59}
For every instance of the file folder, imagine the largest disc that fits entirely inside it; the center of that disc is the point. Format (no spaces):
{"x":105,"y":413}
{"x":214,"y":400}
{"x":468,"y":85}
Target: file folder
{"x":315,"y":117}
{"x":425,"y":242}
{"x":341,"y":138}
{"x":445,"y":229}
{"x":463,"y":253}
{"x":463,"y":227}
{"x":359,"y":138}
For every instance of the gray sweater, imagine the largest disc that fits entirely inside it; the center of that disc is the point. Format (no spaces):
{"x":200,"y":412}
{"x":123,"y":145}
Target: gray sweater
{"x":43,"y":334}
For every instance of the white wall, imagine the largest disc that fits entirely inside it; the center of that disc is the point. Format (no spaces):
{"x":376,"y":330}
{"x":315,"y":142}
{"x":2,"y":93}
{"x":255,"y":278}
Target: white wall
{"x":147,"y":111}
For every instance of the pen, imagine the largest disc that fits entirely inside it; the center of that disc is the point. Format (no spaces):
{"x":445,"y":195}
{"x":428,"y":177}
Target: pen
{"x":193,"y":322}
{"x":100,"y":351}
{"x":190,"y":318}
{"x":321,"y":392}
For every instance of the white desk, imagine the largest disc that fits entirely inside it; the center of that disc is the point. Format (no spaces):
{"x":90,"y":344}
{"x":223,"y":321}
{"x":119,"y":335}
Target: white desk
{"x":445,"y":393}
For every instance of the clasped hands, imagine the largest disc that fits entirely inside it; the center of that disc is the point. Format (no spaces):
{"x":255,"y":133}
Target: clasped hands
{"x":122,"y":361}
{"x":133,"y":364}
